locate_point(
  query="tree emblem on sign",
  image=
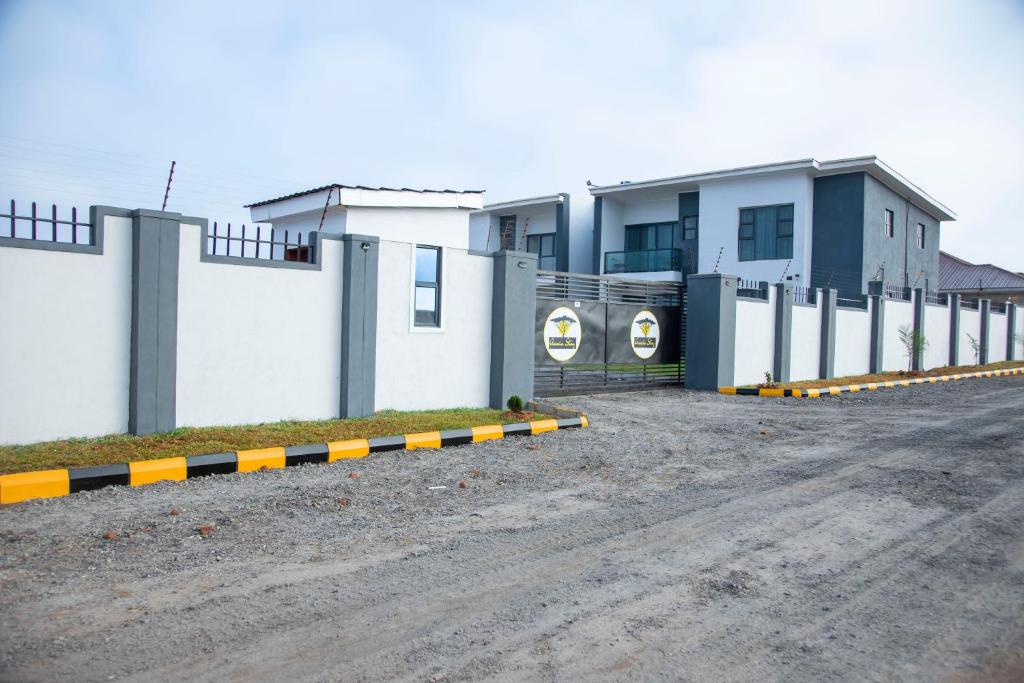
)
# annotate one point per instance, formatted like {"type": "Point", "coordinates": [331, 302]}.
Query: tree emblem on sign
{"type": "Point", "coordinates": [645, 326]}
{"type": "Point", "coordinates": [563, 324]}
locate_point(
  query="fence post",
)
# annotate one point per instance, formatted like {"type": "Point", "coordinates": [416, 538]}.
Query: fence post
{"type": "Point", "coordinates": [513, 326]}
{"type": "Point", "coordinates": [954, 329]}
{"type": "Point", "coordinates": [827, 354]}
{"type": "Point", "coordinates": [1011, 330]}
{"type": "Point", "coordinates": [710, 331]}
{"type": "Point", "coordinates": [783, 331]}
{"type": "Point", "coordinates": [877, 298]}
{"type": "Point", "coordinates": [153, 361]}
{"type": "Point", "coordinates": [985, 306]}
{"type": "Point", "coordinates": [359, 263]}
{"type": "Point", "coordinates": [919, 311]}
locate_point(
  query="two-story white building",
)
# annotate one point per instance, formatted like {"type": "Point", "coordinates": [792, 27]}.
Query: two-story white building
{"type": "Point", "coordinates": [833, 223]}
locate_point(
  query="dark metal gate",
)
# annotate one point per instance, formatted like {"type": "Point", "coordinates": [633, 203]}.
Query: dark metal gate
{"type": "Point", "coordinates": [600, 333]}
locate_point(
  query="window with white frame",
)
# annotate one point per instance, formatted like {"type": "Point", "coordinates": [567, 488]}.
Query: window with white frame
{"type": "Point", "coordinates": [920, 235]}
{"type": "Point", "coordinates": [427, 291]}
{"type": "Point", "coordinates": [889, 220]}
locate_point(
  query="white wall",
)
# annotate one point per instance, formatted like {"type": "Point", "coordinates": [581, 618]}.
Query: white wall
{"type": "Point", "coordinates": [755, 340]}
{"type": "Point", "coordinates": [436, 227]}
{"type": "Point", "coordinates": [894, 354]}
{"type": "Point", "coordinates": [936, 333]}
{"type": "Point", "coordinates": [613, 236]}
{"type": "Point", "coordinates": [65, 336]}
{"type": "Point", "coordinates": [657, 211]}
{"type": "Point", "coordinates": [447, 367]}
{"type": "Point", "coordinates": [720, 204]}
{"type": "Point", "coordinates": [805, 343]}
{"type": "Point", "coordinates": [257, 344]}
{"type": "Point", "coordinates": [853, 341]}
{"type": "Point", "coordinates": [1018, 349]}
{"type": "Point", "coordinates": [970, 324]}
{"type": "Point", "coordinates": [996, 337]}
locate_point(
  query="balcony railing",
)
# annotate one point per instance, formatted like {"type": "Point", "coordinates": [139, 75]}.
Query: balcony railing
{"type": "Point", "coordinates": [651, 261]}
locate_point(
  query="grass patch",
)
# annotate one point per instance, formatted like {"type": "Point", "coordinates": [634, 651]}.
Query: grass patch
{"type": "Point", "coordinates": [120, 448]}
{"type": "Point", "coordinates": [896, 375]}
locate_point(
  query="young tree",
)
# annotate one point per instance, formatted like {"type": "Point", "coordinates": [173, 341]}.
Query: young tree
{"type": "Point", "coordinates": [975, 347]}
{"type": "Point", "coordinates": [914, 344]}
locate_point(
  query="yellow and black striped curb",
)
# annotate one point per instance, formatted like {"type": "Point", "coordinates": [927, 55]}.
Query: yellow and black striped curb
{"type": "Point", "coordinates": [15, 488]}
{"type": "Point", "coordinates": [870, 386]}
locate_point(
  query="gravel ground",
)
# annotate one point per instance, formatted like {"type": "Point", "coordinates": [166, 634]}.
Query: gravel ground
{"type": "Point", "coordinates": [684, 536]}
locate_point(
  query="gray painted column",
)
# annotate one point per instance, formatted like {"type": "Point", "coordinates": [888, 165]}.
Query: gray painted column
{"type": "Point", "coordinates": [1011, 330]}
{"type": "Point", "coordinates": [598, 204]}
{"type": "Point", "coordinates": [710, 331]}
{"type": "Point", "coordinates": [827, 354]}
{"type": "Point", "coordinates": [153, 363]}
{"type": "Point", "coordinates": [985, 306]}
{"type": "Point", "coordinates": [877, 325]}
{"type": "Point", "coordinates": [562, 234]}
{"type": "Point", "coordinates": [359, 263]}
{"type": "Point", "coordinates": [783, 331]}
{"type": "Point", "coordinates": [954, 329]}
{"type": "Point", "coordinates": [513, 326]}
{"type": "Point", "coordinates": [919, 310]}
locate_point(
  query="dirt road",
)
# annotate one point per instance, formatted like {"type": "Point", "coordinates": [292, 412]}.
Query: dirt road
{"type": "Point", "coordinates": [685, 536]}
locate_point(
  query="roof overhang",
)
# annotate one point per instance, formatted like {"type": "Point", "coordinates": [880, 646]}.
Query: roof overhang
{"type": "Point", "coordinates": [657, 188]}
{"type": "Point", "coordinates": [344, 197]}
{"type": "Point", "coordinates": [528, 203]}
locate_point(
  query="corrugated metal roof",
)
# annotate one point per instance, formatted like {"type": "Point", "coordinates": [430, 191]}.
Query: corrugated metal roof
{"type": "Point", "coordinates": [956, 274]}
{"type": "Point", "coordinates": [338, 186]}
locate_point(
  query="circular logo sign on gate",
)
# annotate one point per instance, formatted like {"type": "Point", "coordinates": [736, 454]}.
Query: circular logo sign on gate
{"type": "Point", "coordinates": [562, 334]}
{"type": "Point", "coordinates": [644, 334]}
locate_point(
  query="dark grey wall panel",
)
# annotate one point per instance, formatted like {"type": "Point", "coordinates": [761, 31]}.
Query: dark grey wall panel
{"type": "Point", "coordinates": [360, 261]}
{"type": "Point", "coordinates": [710, 331]}
{"type": "Point", "coordinates": [513, 325]}
{"type": "Point", "coordinates": [837, 240]}
{"type": "Point", "coordinates": [154, 333]}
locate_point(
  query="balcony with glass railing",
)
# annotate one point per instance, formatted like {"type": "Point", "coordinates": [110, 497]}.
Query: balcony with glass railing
{"type": "Point", "coordinates": [646, 261]}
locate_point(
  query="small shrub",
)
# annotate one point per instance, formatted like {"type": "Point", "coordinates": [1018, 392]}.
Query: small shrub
{"type": "Point", "coordinates": [769, 382]}
{"type": "Point", "coordinates": [914, 344]}
{"type": "Point", "coordinates": [515, 404]}
{"type": "Point", "coordinates": [975, 347]}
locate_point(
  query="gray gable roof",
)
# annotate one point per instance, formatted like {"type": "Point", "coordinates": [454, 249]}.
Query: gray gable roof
{"type": "Point", "coordinates": [956, 275]}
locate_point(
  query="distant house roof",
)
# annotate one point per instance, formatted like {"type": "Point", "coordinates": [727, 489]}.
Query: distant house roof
{"type": "Point", "coordinates": [338, 186]}
{"type": "Point", "coordinates": [958, 275]}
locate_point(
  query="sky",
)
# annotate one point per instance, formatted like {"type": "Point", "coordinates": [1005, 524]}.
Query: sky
{"type": "Point", "coordinates": [256, 99]}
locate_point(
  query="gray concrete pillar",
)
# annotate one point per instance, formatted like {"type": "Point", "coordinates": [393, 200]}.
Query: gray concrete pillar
{"type": "Point", "coordinates": [877, 330]}
{"type": "Point", "coordinates": [827, 356]}
{"type": "Point", "coordinates": [710, 331]}
{"type": "Point", "coordinates": [562, 234]}
{"type": "Point", "coordinates": [153, 362]}
{"type": "Point", "coordinates": [360, 259]}
{"type": "Point", "coordinates": [919, 311]}
{"type": "Point", "coordinates": [985, 307]}
{"type": "Point", "coordinates": [954, 329]}
{"type": "Point", "coordinates": [513, 326]}
{"type": "Point", "coordinates": [783, 331]}
{"type": "Point", "coordinates": [1011, 330]}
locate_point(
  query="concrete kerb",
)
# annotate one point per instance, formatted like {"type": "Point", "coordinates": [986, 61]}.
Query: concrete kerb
{"type": "Point", "coordinates": [869, 386]}
{"type": "Point", "coordinates": [15, 488]}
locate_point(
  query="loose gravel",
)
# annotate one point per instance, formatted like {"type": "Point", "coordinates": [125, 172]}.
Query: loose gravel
{"type": "Point", "coordinates": [684, 536]}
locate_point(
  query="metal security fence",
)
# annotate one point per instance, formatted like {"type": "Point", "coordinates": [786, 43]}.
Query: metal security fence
{"type": "Point", "coordinates": [852, 301]}
{"type": "Point", "coordinates": [752, 289]}
{"type": "Point", "coordinates": [970, 304]}
{"type": "Point", "coordinates": [259, 243]}
{"type": "Point", "coordinates": [47, 228]}
{"type": "Point", "coordinates": [599, 333]}
{"type": "Point", "coordinates": [936, 298]}
{"type": "Point", "coordinates": [896, 292]}
{"type": "Point", "coordinates": [805, 295]}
